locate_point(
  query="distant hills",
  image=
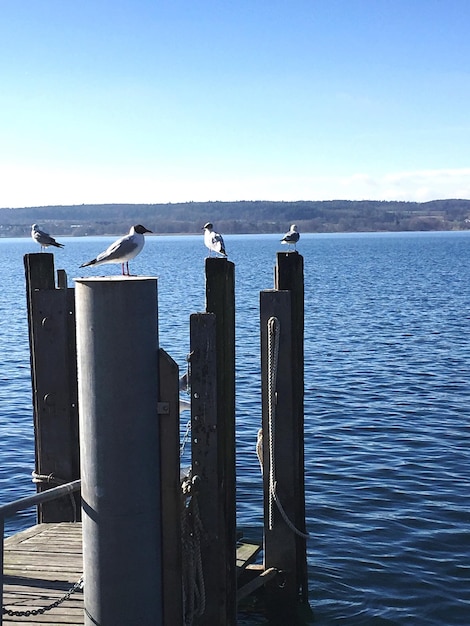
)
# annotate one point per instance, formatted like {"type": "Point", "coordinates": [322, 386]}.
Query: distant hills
{"type": "Point", "coordinates": [240, 217]}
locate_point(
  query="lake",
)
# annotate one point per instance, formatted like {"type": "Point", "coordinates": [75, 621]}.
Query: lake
{"type": "Point", "coordinates": [387, 405]}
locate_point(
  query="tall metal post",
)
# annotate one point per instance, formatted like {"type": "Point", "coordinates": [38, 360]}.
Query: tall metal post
{"type": "Point", "coordinates": [117, 350]}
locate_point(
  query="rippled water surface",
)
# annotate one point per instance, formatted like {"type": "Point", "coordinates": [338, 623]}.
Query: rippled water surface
{"type": "Point", "coordinates": [387, 402]}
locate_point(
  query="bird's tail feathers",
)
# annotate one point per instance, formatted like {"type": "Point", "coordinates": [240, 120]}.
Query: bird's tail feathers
{"type": "Point", "coordinates": [88, 263]}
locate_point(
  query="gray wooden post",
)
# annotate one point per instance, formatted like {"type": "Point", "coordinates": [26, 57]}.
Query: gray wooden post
{"type": "Point", "coordinates": [205, 463]}
{"type": "Point", "coordinates": [289, 275]}
{"type": "Point", "coordinates": [169, 418]}
{"type": "Point", "coordinates": [283, 441]}
{"type": "Point", "coordinates": [51, 321]}
{"type": "Point", "coordinates": [117, 349]}
{"type": "Point", "coordinates": [220, 300]}
{"type": "Point", "coordinates": [279, 540]}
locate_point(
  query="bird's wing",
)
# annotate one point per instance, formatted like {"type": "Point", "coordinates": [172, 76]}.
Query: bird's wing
{"type": "Point", "coordinates": [41, 237]}
{"type": "Point", "coordinates": [291, 237]}
{"type": "Point", "coordinates": [119, 248]}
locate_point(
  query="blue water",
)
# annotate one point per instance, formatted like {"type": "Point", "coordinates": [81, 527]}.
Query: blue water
{"type": "Point", "coordinates": [387, 404]}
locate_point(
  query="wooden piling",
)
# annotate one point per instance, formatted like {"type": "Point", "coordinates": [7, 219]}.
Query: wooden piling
{"type": "Point", "coordinates": [289, 275]}
{"type": "Point", "coordinates": [221, 607]}
{"type": "Point", "coordinates": [205, 465]}
{"type": "Point", "coordinates": [169, 417]}
{"type": "Point", "coordinates": [51, 321]}
{"type": "Point", "coordinates": [283, 439]}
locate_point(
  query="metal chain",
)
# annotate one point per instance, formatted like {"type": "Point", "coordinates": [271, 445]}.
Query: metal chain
{"type": "Point", "coordinates": [76, 587]}
{"type": "Point", "coordinates": [186, 437]}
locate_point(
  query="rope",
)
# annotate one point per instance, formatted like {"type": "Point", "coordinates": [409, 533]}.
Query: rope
{"type": "Point", "coordinates": [50, 479]}
{"type": "Point", "coordinates": [273, 360]}
{"type": "Point", "coordinates": [194, 593]}
{"type": "Point", "coordinates": [259, 449]}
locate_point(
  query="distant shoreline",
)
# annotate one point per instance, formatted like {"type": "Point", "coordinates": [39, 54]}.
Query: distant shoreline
{"type": "Point", "coordinates": [242, 217]}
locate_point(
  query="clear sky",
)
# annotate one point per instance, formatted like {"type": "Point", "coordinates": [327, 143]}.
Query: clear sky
{"type": "Point", "coordinates": [177, 100]}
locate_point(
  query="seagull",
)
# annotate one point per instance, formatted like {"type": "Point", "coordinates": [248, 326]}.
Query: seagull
{"type": "Point", "coordinates": [213, 240]}
{"type": "Point", "coordinates": [292, 237]}
{"type": "Point", "coordinates": [122, 250]}
{"type": "Point", "coordinates": [43, 239]}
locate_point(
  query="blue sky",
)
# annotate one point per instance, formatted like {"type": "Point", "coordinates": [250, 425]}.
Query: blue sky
{"type": "Point", "coordinates": [194, 100]}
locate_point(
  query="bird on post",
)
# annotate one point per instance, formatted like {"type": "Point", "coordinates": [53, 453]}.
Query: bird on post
{"type": "Point", "coordinates": [43, 239]}
{"type": "Point", "coordinates": [292, 237]}
{"type": "Point", "coordinates": [122, 250]}
{"type": "Point", "coordinates": [214, 241]}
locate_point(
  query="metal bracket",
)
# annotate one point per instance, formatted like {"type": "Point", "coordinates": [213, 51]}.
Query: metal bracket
{"type": "Point", "coordinates": [163, 408]}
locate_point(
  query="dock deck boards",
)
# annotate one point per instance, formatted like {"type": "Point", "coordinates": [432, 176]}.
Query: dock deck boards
{"type": "Point", "coordinates": [43, 562]}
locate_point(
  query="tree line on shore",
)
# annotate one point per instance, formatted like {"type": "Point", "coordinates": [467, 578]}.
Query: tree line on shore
{"type": "Point", "coordinates": [328, 216]}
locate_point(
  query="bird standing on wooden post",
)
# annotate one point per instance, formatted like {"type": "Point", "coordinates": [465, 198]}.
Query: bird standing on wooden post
{"type": "Point", "coordinates": [43, 238]}
{"type": "Point", "coordinates": [292, 237]}
{"type": "Point", "coordinates": [122, 250]}
{"type": "Point", "coordinates": [214, 241]}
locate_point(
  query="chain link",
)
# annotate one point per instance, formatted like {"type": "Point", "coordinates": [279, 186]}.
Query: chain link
{"type": "Point", "coordinates": [78, 586]}
{"type": "Point", "coordinates": [186, 437]}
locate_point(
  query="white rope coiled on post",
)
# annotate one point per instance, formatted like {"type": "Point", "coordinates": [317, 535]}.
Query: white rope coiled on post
{"type": "Point", "coordinates": [274, 327]}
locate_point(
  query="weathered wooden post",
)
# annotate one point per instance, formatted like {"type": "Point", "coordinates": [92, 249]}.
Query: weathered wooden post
{"type": "Point", "coordinates": [220, 300]}
{"type": "Point", "coordinates": [290, 275]}
{"type": "Point", "coordinates": [281, 313]}
{"type": "Point", "coordinates": [51, 321]}
{"type": "Point", "coordinates": [117, 349]}
{"type": "Point", "coordinates": [169, 420]}
{"type": "Point", "coordinates": [213, 433]}
{"type": "Point", "coordinates": [205, 467]}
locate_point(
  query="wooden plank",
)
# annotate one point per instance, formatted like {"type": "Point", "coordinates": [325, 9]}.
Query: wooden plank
{"type": "Point", "coordinates": [41, 564]}
{"type": "Point", "coordinates": [205, 460]}
{"type": "Point", "coordinates": [247, 552]}
{"type": "Point", "coordinates": [170, 490]}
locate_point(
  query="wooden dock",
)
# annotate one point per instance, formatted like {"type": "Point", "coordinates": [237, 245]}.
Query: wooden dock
{"type": "Point", "coordinates": [41, 564]}
{"type": "Point", "coordinates": [44, 562]}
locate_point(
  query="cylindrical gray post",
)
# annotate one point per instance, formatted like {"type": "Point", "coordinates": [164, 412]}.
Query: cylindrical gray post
{"type": "Point", "coordinates": [117, 351]}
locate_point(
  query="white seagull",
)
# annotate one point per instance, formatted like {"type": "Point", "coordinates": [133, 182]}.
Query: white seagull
{"type": "Point", "coordinates": [214, 241]}
{"type": "Point", "coordinates": [292, 237]}
{"type": "Point", "coordinates": [43, 239]}
{"type": "Point", "coordinates": [122, 250]}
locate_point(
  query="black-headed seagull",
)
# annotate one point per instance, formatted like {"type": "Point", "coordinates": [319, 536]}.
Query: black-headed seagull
{"type": "Point", "coordinates": [122, 250]}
